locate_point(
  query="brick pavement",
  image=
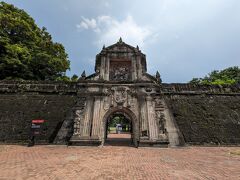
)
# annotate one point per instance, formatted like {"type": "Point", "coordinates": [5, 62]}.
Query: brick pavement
{"type": "Point", "coordinates": [61, 162]}
{"type": "Point", "coordinates": [120, 136]}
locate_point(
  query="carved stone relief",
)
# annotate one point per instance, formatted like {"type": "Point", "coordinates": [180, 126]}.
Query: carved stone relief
{"type": "Point", "coordinates": [148, 90]}
{"type": "Point", "coordinates": [158, 102]}
{"type": "Point", "coordinates": [77, 121]}
{"type": "Point", "coordinates": [79, 115]}
{"type": "Point", "coordinates": [120, 71]}
{"type": "Point", "coordinates": [161, 121]}
{"type": "Point", "coordinates": [130, 102]}
{"type": "Point", "coordinates": [107, 91]}
{"type": "Point", "coordinates": [106, 103]}
{"type": "Point", "coordinates": [120, 95]}
{"type": "Point", "coordinates": [160, 117]}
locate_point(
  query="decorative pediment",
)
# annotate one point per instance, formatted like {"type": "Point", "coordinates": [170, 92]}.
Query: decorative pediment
{"type": "Point", "coordinates": [121, 46]}
{"type": "Point", "coordinates": [121, 62]}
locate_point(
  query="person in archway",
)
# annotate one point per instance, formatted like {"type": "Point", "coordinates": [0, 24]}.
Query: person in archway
{"type": "Point", "coordinates": [118, 128]}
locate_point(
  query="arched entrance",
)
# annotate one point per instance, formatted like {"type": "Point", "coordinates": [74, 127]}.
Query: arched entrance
{"type": "Point", "coordinates": [119, 130]}
{"type": "Point", "coordinates": [130, 131]}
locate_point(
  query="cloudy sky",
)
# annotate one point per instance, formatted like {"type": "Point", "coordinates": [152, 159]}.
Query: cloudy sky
{"type": "Point", "coordinates": [181, 38]}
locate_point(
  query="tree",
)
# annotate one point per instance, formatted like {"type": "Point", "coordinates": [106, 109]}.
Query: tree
{"type": "Point", "coordinates": [26, 51]}
{"type": "Point", "coordinates": [74, 78]}
{"type": "Point", "coordinates": [229, 76]}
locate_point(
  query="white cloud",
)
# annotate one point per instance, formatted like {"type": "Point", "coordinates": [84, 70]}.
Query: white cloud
{"type": "Point", "coordinates": [87, 23]}
{"type": "Point", "coordinates": [106, 4]}
{"type": "Point", "coordinates": [109, 29]}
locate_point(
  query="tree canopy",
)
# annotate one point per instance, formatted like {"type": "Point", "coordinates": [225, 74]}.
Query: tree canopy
{"type": "Point", "coordinates": [228, 76]}
{"type": "Point", "coordinates": [26, 51]}
{"type": "Point", "coordinates": [118, 120]}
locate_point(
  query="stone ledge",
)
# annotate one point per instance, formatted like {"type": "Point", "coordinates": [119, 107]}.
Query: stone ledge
{"type": "Point", "coordinates": [149, 143]}
{"type": "Point", "coordinates": [84, 141]}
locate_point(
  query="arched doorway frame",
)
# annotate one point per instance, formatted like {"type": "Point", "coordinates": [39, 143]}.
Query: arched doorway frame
{"type": "Point", "coordinates": [133, 119]}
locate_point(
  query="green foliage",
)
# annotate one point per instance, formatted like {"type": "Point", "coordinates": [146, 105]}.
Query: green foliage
{"type": "Point", "coordinates": [118, 120]}
{"type": "Point", "coordinates": [74, 78]}
{"type": "Point", "coordinates": [64, 78]}
{"type": "Point", "coordinates": [114, 121]}
{"type": "Point", "coordinates": [26, 51]}
{"type": "Point", "coordinates": [227, 76]}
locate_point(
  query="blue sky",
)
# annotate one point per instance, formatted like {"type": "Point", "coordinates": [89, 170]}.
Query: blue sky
{"type": "Point", "coordinates": [181, 38]}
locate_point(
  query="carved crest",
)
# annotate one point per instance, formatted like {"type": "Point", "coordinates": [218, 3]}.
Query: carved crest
{"type": "Point", "coordinates": [120, 95]}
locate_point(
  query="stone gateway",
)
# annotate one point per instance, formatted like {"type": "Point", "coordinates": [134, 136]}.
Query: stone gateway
{"type": "Point", "coordinates": [121, 84]}
{"type": "Point", "coordinates": [161, 115]}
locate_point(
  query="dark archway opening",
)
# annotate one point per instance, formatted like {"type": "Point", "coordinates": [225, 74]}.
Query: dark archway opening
{"type": "Point", "coordinates": [119, 130]}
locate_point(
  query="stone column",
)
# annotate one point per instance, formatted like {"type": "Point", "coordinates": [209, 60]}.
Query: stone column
{"type": "Point", "coordinates": [102, 67]}
{"type": "Point", "coordinates": [134, 69]}
{"type": "Point", "coordinates": [143, 114]}
{"type": "Point", "coordinates": [152, 124]}
{"type": "Point", "coordinates": [107, 68]}
{"type": "Point", "coordinates": [86, 126]}
{"type": "Point", "coordinates": [105, 105]}
{"type": "Point", "coordinates": [96, 117]}
{"type": "Point", "coordinates": [139, 67]}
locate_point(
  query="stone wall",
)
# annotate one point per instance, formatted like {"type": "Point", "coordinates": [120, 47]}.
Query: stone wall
{"type": "Point", "coordinates": [17, 111]}
{"type": "Point", "coordinates": [22, 102]}
{"type": "Point", "coordinates": [177, 88]}
{"type": "Point", "coordinates": [206, 115]}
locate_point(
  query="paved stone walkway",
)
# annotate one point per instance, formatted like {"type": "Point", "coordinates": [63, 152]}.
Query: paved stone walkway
{"type": "Point", "coordinates": [61, 162]}
{"type": "Point", "coordinates": [120, 136]}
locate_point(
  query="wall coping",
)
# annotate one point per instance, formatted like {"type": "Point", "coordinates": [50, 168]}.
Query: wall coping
{"type": "Point", "coordinates": [74, 87]}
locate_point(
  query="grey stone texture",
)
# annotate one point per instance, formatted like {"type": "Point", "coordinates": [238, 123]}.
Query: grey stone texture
{"type": "Point", "coordinates": [207, 119]}
{"type": "Point", "coordinates": [161, 114]}
{"type": "Point", "coordinates": [17, 111]}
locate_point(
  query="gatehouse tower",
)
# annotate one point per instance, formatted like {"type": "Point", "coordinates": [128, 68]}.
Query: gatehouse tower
{"type": "Point", "coordinates": [121, 85]}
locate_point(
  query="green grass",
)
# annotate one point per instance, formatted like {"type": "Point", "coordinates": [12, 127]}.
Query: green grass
{"type": "Point", "coordinates": [112, 128]}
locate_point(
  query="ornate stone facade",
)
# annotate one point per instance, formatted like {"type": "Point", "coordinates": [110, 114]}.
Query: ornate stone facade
{"type": "Point", "coordinates": [78, 112]}
{"type": "Point", "coordinates": [121, 84]}
{"type": "Point", "coordinates": [120, 71]}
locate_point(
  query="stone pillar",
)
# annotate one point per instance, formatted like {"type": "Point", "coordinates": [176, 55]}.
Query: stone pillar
{"type": "Point", "coordinates": [134, 69]}
{"type": "Point", "coordinates": [96, 117]}
{"type": "Point", "coordinates": [107, 68]}
{"type": "Point", "coordinates": [102, 69]}
{"type": "Point", "coordinates": [152, 124]}
{"type": "Point", "coordinates": [143, 114]}
{"type": "Point", "coordinates": [139, 67]}
{"type": "Point", "coordinates": [86, 126]}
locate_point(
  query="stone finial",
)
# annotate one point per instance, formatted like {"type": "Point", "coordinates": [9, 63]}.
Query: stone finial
{"type": "Point", "coordinates": [158, 77]}
{"type": "Point", "coordinates": [83, 75]}
{"type": "Point", "coordinates": [120, 40]}
{"type": "Point", "coordinates": [137, 47]}
{"type": "Point", "coordinates": [103, 47]}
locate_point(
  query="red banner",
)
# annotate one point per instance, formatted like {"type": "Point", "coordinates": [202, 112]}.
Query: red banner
{"type": "Point", "coordinates": [38, 121]}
